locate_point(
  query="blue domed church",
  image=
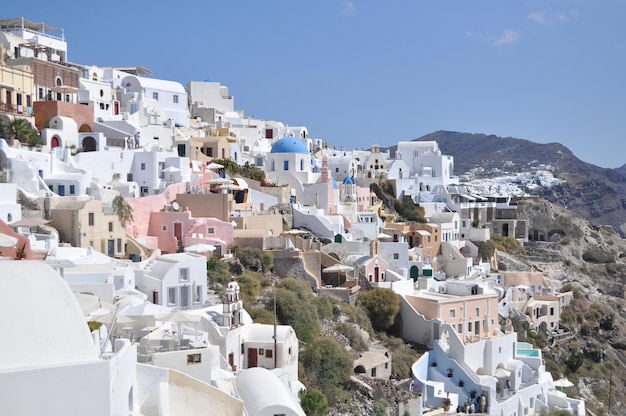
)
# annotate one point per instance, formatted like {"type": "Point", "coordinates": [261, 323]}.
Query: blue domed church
{"type": "Point", "coordinates": [289, 163]}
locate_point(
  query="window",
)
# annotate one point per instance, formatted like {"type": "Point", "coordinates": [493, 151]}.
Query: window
{"type": "Point", "coordinates": [110, 226]}
{"type": "Point", "coordinates": [396, 256]}
{"type": "Point", "coordinates": [336, 170]}
{"type": "Point", "coordinates": [209, 151]}
{"type": "Point", "coordinates": [269, 353]}
{"type": "Point", "coordinates": [194, 358]}
{"type": "Point", "coordinates": [184, 274]}
{"type": "Point", "coordinates": [164, 228]}
{"type": "Point", "coordinates": [175, 99]}
{"type": "Point", "coordinates": [551, 311]}
{"type": "Point", "coordinates": [452, 313]}
{"type": "Point", "coordinates": [92, 220]}
{"type": "Point", "coordinates": [171, 296]}
{"type": "Point", "coordinates": [40, 93]}
{"type": "Point", "coordinates": [210, 230]}
{"type": "Point", "coordinates": [301, 164]}
{"type": "Point", "coordinates": [469, 326]}
{"type": "Point", "coordinates": [143, 166]}
{"type": "Point", "coordinates": [72, 189]}
{"type": "Point", "coordinates": [119, 245]}
{"type": "Point", "coordinates": [478, 312]}
{"type": "Point", "coordinates": [155, 96]}
{"type": "Point", "coordinates": [261, 351]}
{"type": "Point", "coordinates": [286, 165]}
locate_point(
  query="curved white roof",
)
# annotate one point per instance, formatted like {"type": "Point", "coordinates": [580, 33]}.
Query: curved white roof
{"type": "Point", "coordinates": [41, 320]}
{"type": "Point", "coordinates": [155, 84]}
{"type": "Point", "coordinates": [263, 393]}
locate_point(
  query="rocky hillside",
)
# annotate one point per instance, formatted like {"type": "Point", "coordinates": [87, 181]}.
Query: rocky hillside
{"type": "Point", "coordinates": [590, 259]}
{"type": "Point", "coordinates": [595, 193]}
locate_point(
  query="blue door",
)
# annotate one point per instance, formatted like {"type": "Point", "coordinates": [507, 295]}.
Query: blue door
{"type": "Point", "coordinates": [111, 248]}
{"type": "Point", "coordinates": [61, 190]}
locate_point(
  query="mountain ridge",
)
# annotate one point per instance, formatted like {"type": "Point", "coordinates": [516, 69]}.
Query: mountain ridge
{"type": "Point", "coordinates": [595, 193]}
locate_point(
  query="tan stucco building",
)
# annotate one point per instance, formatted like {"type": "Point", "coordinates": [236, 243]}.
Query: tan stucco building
{"type": "Point", "coordinates": [82, 223]}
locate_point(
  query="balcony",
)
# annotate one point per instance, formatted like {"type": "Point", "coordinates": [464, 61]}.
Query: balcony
{"type": "Point", "coordinates": [16, 109]}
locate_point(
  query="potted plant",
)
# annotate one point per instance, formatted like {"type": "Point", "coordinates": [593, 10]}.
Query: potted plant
{"type": "Point", "coordinates": [450, 371]}
{"type": "Point", "coordinates": [446, 404]}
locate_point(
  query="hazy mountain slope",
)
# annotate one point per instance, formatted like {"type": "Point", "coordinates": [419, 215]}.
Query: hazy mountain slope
{"type": "Point", "coordinates": [595, 193]}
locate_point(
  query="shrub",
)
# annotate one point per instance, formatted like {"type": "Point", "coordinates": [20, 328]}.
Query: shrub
{"type": "Point", "coordinates": [382, 306]}
{"type": "Point", "coordinates": [402, 360]}
{"type": "Point", "coordinates": [327, 364]}
{"type": "Point", "coordinates": [313, 402]}
{"type": "Point", "coordinates": [249, 286]}
{"type": "Point", "coordinates": [217, 271]}
{"type": "Point", "coordinates": [261, 315]}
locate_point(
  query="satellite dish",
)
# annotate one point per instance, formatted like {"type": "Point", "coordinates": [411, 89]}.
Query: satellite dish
{"type": "Point", "coordinates": [176, 206]}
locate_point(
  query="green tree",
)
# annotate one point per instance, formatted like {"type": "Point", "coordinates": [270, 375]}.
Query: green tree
{"type": "Point", "coordinates": [327, 364]}
{"type": "Point", "coordinates": [217, 271]}
{"type": "Point", "coordinates": [313, 402]}
{"type": "Point", "coordinates": [487, 249]}
{"type": "Point", "coordinates": [382, 306]}
{"type": "Point", "coordinates": [298, 312]}
{"type": "Point", "coordinates": [230, 165]}
{"type": "Point", "coordinates": [122, 209]}
{"type": "Point", "coordinates": [18, 129]}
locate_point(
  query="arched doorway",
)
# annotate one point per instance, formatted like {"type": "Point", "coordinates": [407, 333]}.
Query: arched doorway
{"type": "Point", "coordinates": [414, 273]}
{"type": "Point", "coordinates": [55, 142]}
{"type": "Point", "coordinates": [89, 144]}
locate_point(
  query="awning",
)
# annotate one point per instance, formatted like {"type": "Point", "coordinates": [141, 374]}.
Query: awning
{"type": "Point", "coordinates": [337, 268]}
{"type": "Point", "coordinates": [64, 89]}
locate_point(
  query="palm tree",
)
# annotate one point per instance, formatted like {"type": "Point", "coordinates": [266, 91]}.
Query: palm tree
{"type": "Point", "coordinates": [18, 129]}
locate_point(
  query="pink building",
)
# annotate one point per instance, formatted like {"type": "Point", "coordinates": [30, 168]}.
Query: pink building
{"type": "Point", "coordinates": [176, 230]}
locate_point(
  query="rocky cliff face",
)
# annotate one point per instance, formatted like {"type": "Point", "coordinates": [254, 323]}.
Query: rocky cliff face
{"type": "Point", "coordinates": [592, 260]}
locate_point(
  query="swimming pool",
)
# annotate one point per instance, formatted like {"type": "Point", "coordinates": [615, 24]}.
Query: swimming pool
{"type": "Point", "coordinates": [528, 352]}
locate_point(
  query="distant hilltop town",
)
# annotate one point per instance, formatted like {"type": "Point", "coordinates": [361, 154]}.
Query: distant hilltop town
{"type": "Point", "coordinates": [118, 189]}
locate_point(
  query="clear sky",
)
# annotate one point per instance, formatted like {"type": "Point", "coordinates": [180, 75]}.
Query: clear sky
{"type": "Point", "coordinates": [362, 72]}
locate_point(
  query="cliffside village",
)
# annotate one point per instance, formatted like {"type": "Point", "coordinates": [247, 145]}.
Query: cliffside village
{"type": "Point", "coordinates": [68, 259]}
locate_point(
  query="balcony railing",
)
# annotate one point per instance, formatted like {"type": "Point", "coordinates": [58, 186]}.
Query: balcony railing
{"type": "Point", "coordinates": [16, 109]}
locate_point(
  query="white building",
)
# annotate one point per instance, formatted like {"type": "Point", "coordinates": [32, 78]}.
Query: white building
{"type": "Point", "coordinates": [170, 96]}
{"type": "Point", "coordinates": [175, 280]}
{"type": "Point", "coordinates": [50, 342]}
{"type": "Point", "coordinates": [10, 210]}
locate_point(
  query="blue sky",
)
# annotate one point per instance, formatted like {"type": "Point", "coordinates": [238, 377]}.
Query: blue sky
{"type": "Point", "coordinates": [363, 72]}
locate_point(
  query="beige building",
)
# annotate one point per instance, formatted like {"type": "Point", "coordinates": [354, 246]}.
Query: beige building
{"type": "Point", "coordinates": [16, 90]}
{"type": "Point", "coordinates": [82, 223]}
{"type": "Point", "coordinates": [474, 317]}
